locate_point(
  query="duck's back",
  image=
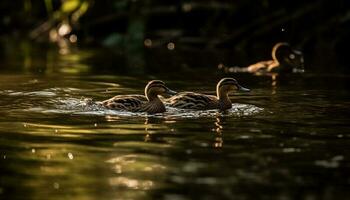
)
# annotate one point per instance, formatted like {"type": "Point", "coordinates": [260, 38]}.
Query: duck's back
{"type": "Point", "coordinates": [192, 100]}
{"type": "Point", "coordinates": [125, 102]}
{"type": "Point", "coordinates": [262, 66]}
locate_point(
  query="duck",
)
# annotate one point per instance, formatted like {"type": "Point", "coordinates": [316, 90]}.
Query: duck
{"type": "Point", "coordinates": [197, 101]}
{"type": "Point", "coordinates": [149, 103]}
{"type": "Point", "coordinates": [284, 59]}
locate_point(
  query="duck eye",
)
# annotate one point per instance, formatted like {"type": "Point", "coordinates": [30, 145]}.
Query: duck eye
{"type": "Point", "coordinates": [291, 56]}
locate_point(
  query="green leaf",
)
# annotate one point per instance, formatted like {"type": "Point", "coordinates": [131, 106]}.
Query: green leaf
{"type": "Point", "coordinates": [70, 5]}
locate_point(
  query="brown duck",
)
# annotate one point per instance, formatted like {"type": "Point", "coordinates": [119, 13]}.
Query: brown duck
{"type": "Point", "coordinates": [149, 102]}
{"type": "Point", "coordinates": [192, 100]}
{"type": "Point", "coordinates": [284, 59]}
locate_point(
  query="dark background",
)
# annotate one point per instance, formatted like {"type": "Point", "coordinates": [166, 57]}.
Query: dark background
{"type": "Point", "coordinates": [201, 34]}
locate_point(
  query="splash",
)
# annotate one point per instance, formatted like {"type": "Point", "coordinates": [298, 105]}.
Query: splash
{"type": "Point", "coordinates": [87, 106]}
{"type": "Point", "coordinates": [62, 101]}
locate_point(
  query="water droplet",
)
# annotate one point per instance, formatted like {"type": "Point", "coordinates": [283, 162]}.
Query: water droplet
{"type": "Point", "coordinates": [56, 185]}
{"type": "Point", "coordinates": [220, 66]}
{"type": "Point", "coordinates": [147, 42]}
{"type": "Point", "coordinates": [73, 38]}
{"type": "Point", "coordinates": [171, 46]}
{"type": "Point", "coordinates": [70, 156]}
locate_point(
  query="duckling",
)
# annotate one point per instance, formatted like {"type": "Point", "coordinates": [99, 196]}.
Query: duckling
{"type": "Point", "coordinates": [285, 59]}
{"type": "Point", "coordinates": [192, 100]}
{"type": "Point", "coordinates": [149, 103]}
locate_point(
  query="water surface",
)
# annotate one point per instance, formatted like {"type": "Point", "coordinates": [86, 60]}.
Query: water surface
{"type": "Point", "coordinates": [288, 141]}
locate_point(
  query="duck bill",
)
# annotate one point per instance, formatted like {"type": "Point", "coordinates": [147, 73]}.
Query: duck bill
{"type": "Point", "coordinates": [170, 92]}
{"type": "Point", "coordinates": [242, 89]}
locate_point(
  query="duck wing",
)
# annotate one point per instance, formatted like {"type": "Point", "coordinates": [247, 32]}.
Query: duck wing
{"type": "Point", "coordinates": [260, 67]}
{"type": "Point", "coordinates": [125, 102]}
{"type": "Point", "coordinates": [137, 96]}
{"type": "Point", "coordinates": [191, 100]}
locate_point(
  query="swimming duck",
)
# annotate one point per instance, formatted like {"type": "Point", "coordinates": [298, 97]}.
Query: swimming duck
{"type": "Point", "coordinates": [149, 103]}
{"type": "Point", "coordinates": [285, 59]}
{"type": "Point", "coordinates": [192, 100]}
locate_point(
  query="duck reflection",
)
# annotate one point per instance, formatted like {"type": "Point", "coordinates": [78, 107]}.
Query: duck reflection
{"type": "Point", "coordinates": [274, 82]}
{"type": "Point", "coordinates": [148, 132]}
{"type": "Point", "coordinates": [152, 125]}
{"type": "Point", "coordinates": [218, 141]}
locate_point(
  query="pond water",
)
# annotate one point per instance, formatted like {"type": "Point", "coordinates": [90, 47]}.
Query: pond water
{"type": "Point", "coordinates": [287, 141]}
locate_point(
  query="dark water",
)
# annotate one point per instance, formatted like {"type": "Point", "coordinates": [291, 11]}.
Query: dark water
{"type": "Point", "coordinates": [289, 141]}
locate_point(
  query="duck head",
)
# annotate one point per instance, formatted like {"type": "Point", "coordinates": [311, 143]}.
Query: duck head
{"type": "Point", "coordinates": [227, 85]}
{"type": "Point", "coordinates": [155, 88]}
{"type": "Point", "coordinates": [288, 58]}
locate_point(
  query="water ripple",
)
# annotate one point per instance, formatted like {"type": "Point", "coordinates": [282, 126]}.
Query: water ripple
{"type": "Point", "coordinates": [86, 106]}
{"type": "Point", "coordinates": [62, 101]}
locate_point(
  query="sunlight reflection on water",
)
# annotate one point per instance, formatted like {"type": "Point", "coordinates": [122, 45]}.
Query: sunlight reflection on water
{"type": "Point", "coordinates": [68, 145]}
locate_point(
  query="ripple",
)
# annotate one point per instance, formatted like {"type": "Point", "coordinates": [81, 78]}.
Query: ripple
{"type": "Point", "coordinates": [62, 101]}
{"type": "Point", "coordinates": [86, 106]}
{"type": "Point", "coordinates": [237, 109]}
{"type": "Point", "coordinates": [35, 93]}
{"type": "Point", "coordinates": [40, 93]}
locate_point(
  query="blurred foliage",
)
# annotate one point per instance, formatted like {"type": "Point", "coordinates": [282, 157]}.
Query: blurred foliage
{"type": "Point", "coordinates": [164, 33]}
